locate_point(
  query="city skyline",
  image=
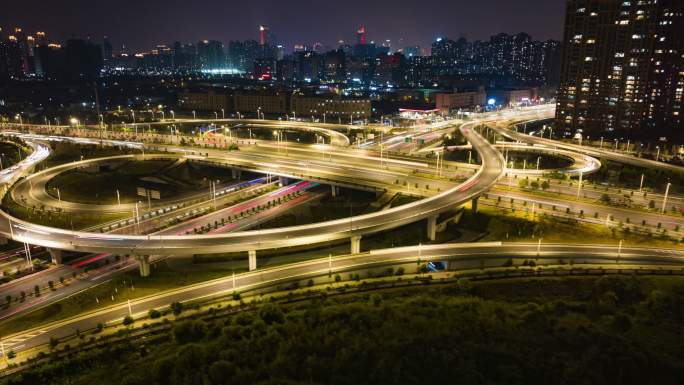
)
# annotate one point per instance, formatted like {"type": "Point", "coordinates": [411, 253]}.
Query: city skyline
{"type": "Point", "coordinates": [294, 24]}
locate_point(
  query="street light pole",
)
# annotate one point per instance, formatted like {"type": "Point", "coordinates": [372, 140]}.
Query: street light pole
{"type": "Point", "coordinates": [619, 250]}
{"type": "Point", "coordinates": [579, 186]}
{"type": "Point", "coordinates": [539, 246]}
{"type": "Point", "coordinates": [667, 191]}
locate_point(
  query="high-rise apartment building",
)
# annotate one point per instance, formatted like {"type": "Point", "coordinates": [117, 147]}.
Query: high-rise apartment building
{"type": "Point", "coordinates": [622, 68]}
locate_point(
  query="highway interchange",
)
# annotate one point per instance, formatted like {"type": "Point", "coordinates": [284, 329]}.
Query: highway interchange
{"type": "Point", "coordinates": [338, 164]}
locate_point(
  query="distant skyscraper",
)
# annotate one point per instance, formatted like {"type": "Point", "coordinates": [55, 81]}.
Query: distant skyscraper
{"type": "Point", "coordinates": [83, 59]}
{"type": "Point", "coordinates": [22, 42]}
{"type": "Point", "coordinates": [210, 54]}
{"type": "Point", "coordinates": [107, 51]}
{"type": "Point", "coordinates": [264, 35]}
{"type": "Point", "coordinates": [10, 57]}
{"type": "Point", "coordinates": [622, 68]}
{"type": "Point", "coordinates": [242, 54]}
{"type": "Point", "coordinates": [361, 36]}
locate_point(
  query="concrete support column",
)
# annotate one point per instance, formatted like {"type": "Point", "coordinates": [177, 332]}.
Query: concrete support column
{"type": "Point", "coordinates": [236, 173]}
{"type": "Point", "coordinates": [474, 205]}
{"type": "Point", "coordinates": [432, 227]}
{"type": "Point", "coordinates": [252, 260]}
{"type": "Point", "coordinates": [334, 191]}
{"type": "Point", "coordinates": [144, 264]}
{"type": "Point", "coordinates": [56, 256]}
{"type": "Point", "coordinates": [356, 244]}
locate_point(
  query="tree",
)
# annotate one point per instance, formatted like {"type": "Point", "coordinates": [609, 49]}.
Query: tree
{"type": "Point", "coordinates": [220, 371]}
{"type": "Point", "coordinates": [534, 185]}
{"type": "Point", "coordinates": [545, 185]}
{"type": "Point", "coordinates": [522, 183]}
{"type": "Point", "coordinates": [11, 354]}
{"type": "Point", "coordinates": [605, 198]}
{"type": "Point", "coordinates": [189, 331]}
{"type": "Point", "coordinates": [271, 313]}
{"type": "Point", "coordinates": [36, 289]}
{"type": "Point", "coordinates": [8, 298]}
{"type": "Point", "coordinates": [176, 308]}
{"type": "Point", "coordinates": [53, 343]}
{"type": "Point", "coordinates": [154, 313]}
{"type": "Point", "coordinates": [128, 320]}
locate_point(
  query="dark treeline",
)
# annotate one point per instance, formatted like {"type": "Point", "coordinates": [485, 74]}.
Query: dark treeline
{"type": "Point", "coordinates": [611, 330]}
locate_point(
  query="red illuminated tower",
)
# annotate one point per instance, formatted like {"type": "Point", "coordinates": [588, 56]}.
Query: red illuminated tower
{"type": "Point", "coordinates": [263, 30]}
{"type": "Point", "coordinates": [361, 36]}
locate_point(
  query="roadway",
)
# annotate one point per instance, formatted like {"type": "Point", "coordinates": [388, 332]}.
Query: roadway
{"type": "Point", "coordinates": [548, 113]}
{"type": "Point", "coordinates": [460, 256]}
{"type": "Point", "coordinates": [273, 238]}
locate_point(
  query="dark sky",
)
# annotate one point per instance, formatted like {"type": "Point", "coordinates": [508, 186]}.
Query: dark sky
{"type": "Point", "coordinates": [141, 24]}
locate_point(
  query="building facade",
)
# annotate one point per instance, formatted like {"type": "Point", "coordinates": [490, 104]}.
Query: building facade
{"type": "Point", "coordinates": [448, 102]}
{"type": "Point", "coordinates": [332, 107]}
{"type": "Point", "coordinates": [622, 69]}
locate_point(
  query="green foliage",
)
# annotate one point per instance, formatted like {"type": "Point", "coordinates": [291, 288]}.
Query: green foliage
{"type": "Point", "coordinates": [189, 331]}
{"type": "Point", "coordinates": [154, 314]}
{"type": "Point", "coordinates": [605, 198]}
{"type": "Point", "coordinates": [610, 330]}
{"type": "Point", "coordinates": [176, 308]}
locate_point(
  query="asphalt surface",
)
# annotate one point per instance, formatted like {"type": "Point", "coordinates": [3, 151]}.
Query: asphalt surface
{"type": "Point", "coordinates": [273, 238]}
{"type": "Point", "coordinates": [460, 256]}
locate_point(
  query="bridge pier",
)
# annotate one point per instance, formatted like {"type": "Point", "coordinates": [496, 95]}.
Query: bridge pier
{"type": "Point", "coordinates": [56, 256]}
{"type": "Point", "coordinates": [236, 173]}
{"type": "Point", "coordinates": [252, 260]}
{"type": "Point", "coordinates": [144, 264]}
{"type": "Point", "coordinates": [356, 244]}
{"type": "Point", "coordinates": [432, 227]}
{"type": "Point", "coordinates": [335, 190]}
{"type": "Point", "coordinates": [474, 205]}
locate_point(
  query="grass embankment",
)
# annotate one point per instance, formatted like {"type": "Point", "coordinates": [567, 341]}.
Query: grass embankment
{"type": "Point", "coordinates": [10, 152]}
{"type": "Point", "coordinates": [608, 330]}
{"type": "Point", "coordinates": [57, 219]}
{"type": "Point", "coordinates": [118, 290]}
{"type": "Point", "coordinates": [504, 225]}
{"type": "Point", "coordinates": [161, 175]}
